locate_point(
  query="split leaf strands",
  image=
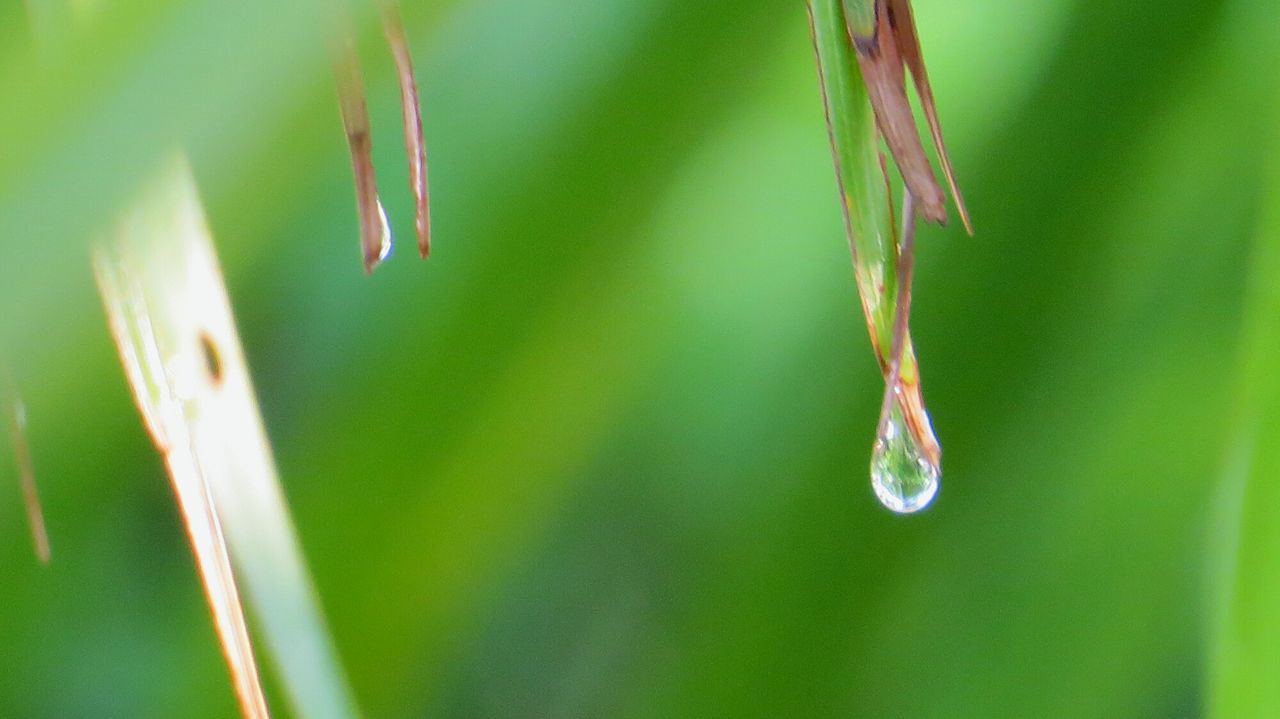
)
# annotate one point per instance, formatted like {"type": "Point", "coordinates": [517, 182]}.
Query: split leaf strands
{"type": "Point", "coordinates": [863, 48]}
{"type": "Point", "coordinates": [171, 320]}
{"type": "Point", "coordinates": [375, 231]}
{"type": "Point", "coordinates": [885, 40]}
{"type": "Point", "coordinates": [411, 110]}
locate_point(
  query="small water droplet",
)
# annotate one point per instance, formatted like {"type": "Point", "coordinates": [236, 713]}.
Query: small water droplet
{"type": "Point", "coordinates": [903, 478]}
{"type": "Point", "coordinates": [384, 249]}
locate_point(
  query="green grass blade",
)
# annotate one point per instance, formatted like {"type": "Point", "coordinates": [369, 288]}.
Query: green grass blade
{"type": "Point", "coordinates": [864, 194]}
{"type": "Point", "coordinates": [855, 149]}
{"type": "Point", "coordinates": [865, 201]}
{"type": "Point", "coordinates": [861, 15]}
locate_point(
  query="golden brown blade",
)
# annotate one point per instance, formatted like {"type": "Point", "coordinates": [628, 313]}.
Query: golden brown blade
{"type": "Point", "coordinates": [411, 109]}
{"type": "Point", "coordinates": [170, 314]}
{"type": "Point", "coordinates": [882, 71]}
{"type": "Point", "coordinates": [162, 242]}
{"type": "Point", "coordinates": [908, 42]}
{"type": "Point", "coordinates": [375, 234]}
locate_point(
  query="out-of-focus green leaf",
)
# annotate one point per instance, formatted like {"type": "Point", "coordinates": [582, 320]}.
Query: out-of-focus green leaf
{"type": "Point", "coordinates": [603, 454]}
{"type": "Point", "coordinates": [85, 122]}
{"type": "Point", "coordinates": [1246, 657]}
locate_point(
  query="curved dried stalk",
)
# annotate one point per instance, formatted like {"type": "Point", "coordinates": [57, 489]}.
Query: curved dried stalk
{"type": "Point", "coordinates": [375, 233]}
{"type": "Point", "coordinates": [171, 320]}
{"type": "Point", "coordinates": [411, 110]}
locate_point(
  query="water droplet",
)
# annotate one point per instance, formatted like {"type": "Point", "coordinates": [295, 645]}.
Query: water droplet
{"type": "Point", "coordinates": [903, 478]}
{"type": "Point", "coordinates": [384, 248]}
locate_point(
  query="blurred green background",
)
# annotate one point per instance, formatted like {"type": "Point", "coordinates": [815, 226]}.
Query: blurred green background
{"type": "Point", "coordinates": [606, 453]}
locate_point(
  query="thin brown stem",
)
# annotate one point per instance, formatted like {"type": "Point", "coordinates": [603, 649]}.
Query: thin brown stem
{"type": "Point", "coordinates": [411, 109]}
{"type": "Point", "coordinates": [374, 234]}
{"type": "Point", "coordinates": [17, 415]}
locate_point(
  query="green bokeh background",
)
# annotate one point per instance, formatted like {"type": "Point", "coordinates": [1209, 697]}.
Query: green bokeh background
{"type": "Point", "coordinates": [606, 453]}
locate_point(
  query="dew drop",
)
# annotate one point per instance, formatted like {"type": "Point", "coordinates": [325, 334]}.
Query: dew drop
{"type": "Point", "coordinates": [384, 248]}
{"type": "Point", "coordinates": [903, 478]}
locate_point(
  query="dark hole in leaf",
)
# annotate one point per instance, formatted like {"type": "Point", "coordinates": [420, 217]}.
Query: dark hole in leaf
{"type": "Point", "coordinates": [212, 360]}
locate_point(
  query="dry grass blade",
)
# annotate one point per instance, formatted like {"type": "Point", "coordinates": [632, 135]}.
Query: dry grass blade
{"type": "Point", "coordinates": [171, 319]}
{"type": "Point", "coordinates": [881, 62]}
{"type": "Point", "coordinates": [375, 233]}
{"type": "Point", "coordinates": [887, 44]}
{"type": "Point", "coordinates": [160, 385]}
{"type": "Point", "coordinates": [904, 24]}
{"type": "Point", "coordinates": [411, 109]}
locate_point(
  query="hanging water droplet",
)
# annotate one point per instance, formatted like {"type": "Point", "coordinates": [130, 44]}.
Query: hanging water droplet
{"type": "Point", "coordinates": [384, 248]}
{"type": "Point", "coordinates": [902, 476]}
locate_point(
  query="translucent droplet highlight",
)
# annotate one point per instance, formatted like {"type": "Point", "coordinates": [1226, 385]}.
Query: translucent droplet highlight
{"type": "Point", "coordinates": [384, 246]}
{"type": "Point", "coordinates": [902, 476]}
